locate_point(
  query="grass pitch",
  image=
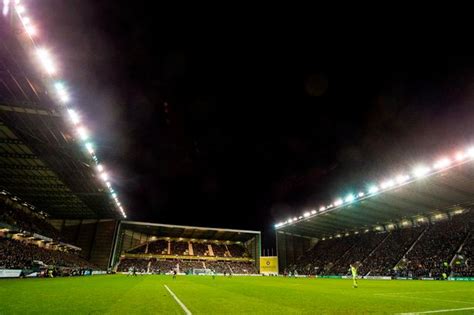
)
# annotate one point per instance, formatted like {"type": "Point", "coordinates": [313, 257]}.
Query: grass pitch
{"type": "Point", "coordinates": [120, 294]}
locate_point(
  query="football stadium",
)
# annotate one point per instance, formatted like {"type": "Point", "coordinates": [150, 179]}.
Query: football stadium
{"type": "Point", "coordinates": [402, 244]}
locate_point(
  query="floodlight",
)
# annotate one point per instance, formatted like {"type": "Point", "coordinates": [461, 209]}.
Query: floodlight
{"type": "Point", "coordinates": [400, 179]}
{"type": "Point", "coordinates": [104, 176]}
{"type": "Point", "coordinates": [322, 208]}
{"type": "Point", "coordinates": [361, 194]}
{"type": "Point", "coordinates": [349, 198]}
{"type": "Point", "coordinates": [90, 147]}
{"type": "Point", "coordinates": [74, 116]}
{"type": "Point", "coordinates": [46, 61]}
{"type": "Point", "coordinates": [420, 171]}
{"type": "Point", "coordinates": [442, 163]}
{"type": "Point", "coordinates": [338, 202]}
{"type": "Point", "coordinates": [306, 214]}
{"type": "Point", "coordinates": [83, 134]}
{"type": "Point", "coordinates": [373, 189]}
{"type": "Point", "coordinates": [100, 168]}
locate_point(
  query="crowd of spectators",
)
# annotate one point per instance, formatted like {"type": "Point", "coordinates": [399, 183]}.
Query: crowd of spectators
{"type": "Point", "coordinates": [220, 250]}
{"type": "Point", "coordinates": [162, 265]}
{"type": "Point", "coordinates": [464, 263]}
{"type": "Point", "coordinates": [218, 266]}
{"type": "Point", "coordinates": [237, 250]}
{"type": "Point", "coordinates": [243, 267]}
{"type": "Point", "coordinates": [434, 251]}
{"type": "Point", "coordinates": [186, 265]}
{"type": "Point", "coordinates": [27, 220]}
{"type": "Point", "coordinates": [434, 247]}
{"type": "Point", "coordinates": [390, 251]}
{"type": "Point", "coordinates": [158, 247]}
{"type": "Point", "coordinates": [364, 245]}
{"type": "Point", "coordinates": [140, 265]}
{"type": "Point", "coordinates": [179, 248]}
{"type": "Point", "coordinates": [200, 249]}
{"type": "Point", "coordinates": [16, 254]}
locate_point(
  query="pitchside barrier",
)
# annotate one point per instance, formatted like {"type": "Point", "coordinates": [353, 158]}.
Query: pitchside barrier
{"type": "Point", "coordinates": [17, 273]}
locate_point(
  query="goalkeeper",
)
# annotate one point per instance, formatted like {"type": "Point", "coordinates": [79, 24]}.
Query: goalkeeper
{"type": "Point", "coordinates": [353, 270]}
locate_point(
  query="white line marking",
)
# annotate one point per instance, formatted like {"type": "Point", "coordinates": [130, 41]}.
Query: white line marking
{"type": "Point", "coordinates": [440, 311]}
{"type": "Point", "coordinates": [185, 309]}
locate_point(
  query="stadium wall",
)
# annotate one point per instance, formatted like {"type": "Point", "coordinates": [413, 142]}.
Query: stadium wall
{"type": "Point", "coordinates": [94, 237]}
{"type": "Point", "coordinates": [290, 247]}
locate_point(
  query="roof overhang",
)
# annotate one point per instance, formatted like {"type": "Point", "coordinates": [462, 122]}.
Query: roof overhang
{"type": "Point", "coordinates": [189, 232]}
{"type": "Point", "coordinates": [447, 190]}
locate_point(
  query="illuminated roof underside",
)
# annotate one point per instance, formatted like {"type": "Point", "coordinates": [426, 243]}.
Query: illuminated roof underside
{"type": "Point", "coordinates": [40, 159]}
{"type": "Point", "coordinates": [442, 191]}
{"type": "Point", "coordinates": [189, 232]}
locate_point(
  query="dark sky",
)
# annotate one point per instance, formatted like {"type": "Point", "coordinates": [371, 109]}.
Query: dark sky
{"type": "Point", "coordinates": [237, 125]}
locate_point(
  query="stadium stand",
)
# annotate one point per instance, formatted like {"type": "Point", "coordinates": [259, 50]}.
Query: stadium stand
{"type": "Point", "coordinates": [162, 265]}
{"type": "Point", "coordinates": [421, 251]}
{"type": "Point", "coordinates": [16, 215]}
{"type": "Point", "coordinates": [16, 254]}
{"type": "Point", "coordinates": [179, 248]}
{"type": "Point", "coordinates": [220, 250]}
{"type": "Point", "coordinates": [200, 249]}
{"type": "Point", "coordinates": [158, 247]}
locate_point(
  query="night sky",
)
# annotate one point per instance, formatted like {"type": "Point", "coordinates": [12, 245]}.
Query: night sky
{"type": "Point", "coordinates": [236, 125]}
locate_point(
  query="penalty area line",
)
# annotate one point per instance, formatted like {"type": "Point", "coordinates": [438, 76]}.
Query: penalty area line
{"type": "Point", "coordinates": [185, 309]}
{"type": "Point", "coordinates": [439, 311]}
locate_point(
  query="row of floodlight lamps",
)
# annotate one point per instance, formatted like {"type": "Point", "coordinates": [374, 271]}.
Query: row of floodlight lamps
{"type": "Point", "coordinates": [419, 171]}
{"type": "Point", "coordinates": [48, 65]}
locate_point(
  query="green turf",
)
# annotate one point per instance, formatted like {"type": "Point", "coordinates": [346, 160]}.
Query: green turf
{"type": "Point", "coordinates": [120, 294]}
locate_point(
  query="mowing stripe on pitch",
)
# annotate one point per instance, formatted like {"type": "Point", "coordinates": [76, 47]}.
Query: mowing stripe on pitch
{"type": "Point", "coordinates": [440, 311]}
{"type": "Point", "coordinates": [185, 309]}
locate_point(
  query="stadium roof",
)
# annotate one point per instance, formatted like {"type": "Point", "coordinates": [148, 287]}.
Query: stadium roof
{"type": "Point", "coordinates": [41, 159]}
{"type": "Point", "coordinates": [177, 231]}
{"type": "Point", "coordinates": [447, 186]}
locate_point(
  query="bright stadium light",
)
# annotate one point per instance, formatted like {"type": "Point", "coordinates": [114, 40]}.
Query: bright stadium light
{"type": "Point", "coordinates": [400, 179]}
{"type": "Point", "coordinates": [338, 202]}
{"type": "Point", "coordinates": [83, 134]}
{"type": "Point", "coordinates": [100, 168]}
{"type": "Point", "coordinates": [20, 9]}
{"type": "Point", "coordinates": [442, 163]}
{"type": "Point", "coordinates": [349, 198]}
{"type": "Point", "coordinates": [26, 20]}
{"type": "Point", "coordinates": [470, 152]}
{"type": "Point", "coordinates": [104, 176]}
{"type": "Point", "coordinates": [373, 189]}
{"type": "Point", "coordinates": [90, 147]}
{"type": "Point", "coordinates": [361, 194]}
{"type": "Point", "coordinates": [306, 214]}
{"type": "Point", "coordinates": [313, 211]}
{"type": "Point", "coordinates": [74, 116]}
{"type": "Point", "coordinates": [6, 7]}
{"type": "Point", "coordinates": [290, 220]}
{"type": "Point", "coordinates": [30, 30]}
{"type": "Point", "coordinates": [114, 195]}
{"type": "Point", "coordinates": [62, 93]}
{"type": "Point", "coordinates": [295, 219]}
{"type": "Point", "coordinates": [460, 156]}
{"type": "Point", "coordinates": [322, 208]}
{"type": "Point", "coordinates": [329, 206]}
{"type": "Point", "coordinates": [46, 61]}
{"type": "Point", "coordinates": [420, 171]}
{"type": "Point", "coordinates": [387, 184]}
